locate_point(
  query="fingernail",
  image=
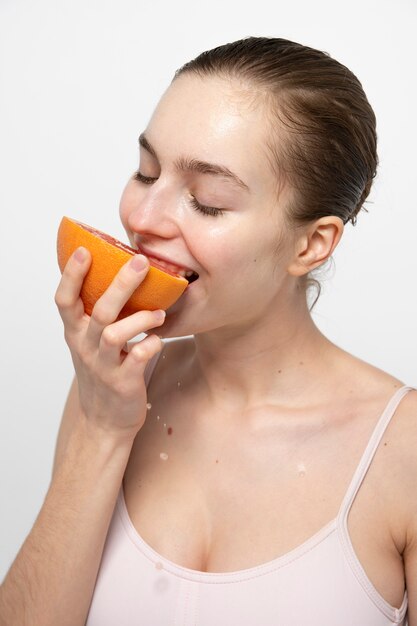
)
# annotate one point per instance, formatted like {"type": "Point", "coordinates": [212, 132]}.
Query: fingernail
{"type": "Point", "coordinates": [160, 314]}
{"type": "Point", "coordinates": [139, 262]}
{"type": "Point", "coordinates": [80, 255]}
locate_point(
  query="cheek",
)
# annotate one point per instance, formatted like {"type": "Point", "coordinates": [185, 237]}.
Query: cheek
{"type": "Point", "coordinates": [251, 255]}
{"type": "Point", "coordinates": [224, 250]}
{"type": "Point", "coordinates": [240, 249]}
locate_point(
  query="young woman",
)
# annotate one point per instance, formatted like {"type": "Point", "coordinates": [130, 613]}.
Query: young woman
{"type": "Point", "coordinates": [234, 467]}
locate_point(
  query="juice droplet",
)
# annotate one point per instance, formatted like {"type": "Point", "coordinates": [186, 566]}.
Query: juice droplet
{"type": "Point", "coordinates": [157, 417]}
{"type": "Point", "coordinates": [170, 431]}
{"type": "Point", "coordinates": [163, 456]}
{"type": "Point", "coordinates": [301, 469]}
{"type": "Point", "coordinates": [149, 405]}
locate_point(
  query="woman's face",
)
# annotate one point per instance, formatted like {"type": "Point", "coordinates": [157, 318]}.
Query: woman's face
{"type": "Point", "coordinates": [233, 249]}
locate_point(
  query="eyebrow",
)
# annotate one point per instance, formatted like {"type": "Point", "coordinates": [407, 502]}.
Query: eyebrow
{"type": "Point", "coordinates": [187, 164]}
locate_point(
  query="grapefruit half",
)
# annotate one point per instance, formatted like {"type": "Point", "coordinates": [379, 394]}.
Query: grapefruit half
{"type": "Point", "coordinates": [159, 290]}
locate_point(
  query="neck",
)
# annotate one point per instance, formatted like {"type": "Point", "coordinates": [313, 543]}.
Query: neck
{"type": "Point", "coordinates": [282, 361]}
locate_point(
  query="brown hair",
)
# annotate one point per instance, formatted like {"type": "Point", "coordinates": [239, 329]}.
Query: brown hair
{"type": "Point", "coordinates": [329, 157]}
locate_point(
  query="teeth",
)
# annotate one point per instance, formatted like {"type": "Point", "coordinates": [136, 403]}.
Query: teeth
{"type": "Point", "coordinates": [185, 273]}
{"type": "Point", "coordinates": [170, 266]}
{"type": "Point", "coordinates": [173, 268]}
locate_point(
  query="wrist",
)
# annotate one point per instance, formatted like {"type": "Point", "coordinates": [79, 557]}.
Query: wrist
{"type": "Point", "coordinates": [103, 436]}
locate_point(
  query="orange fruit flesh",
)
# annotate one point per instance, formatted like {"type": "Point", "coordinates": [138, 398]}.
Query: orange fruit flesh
{"type": "Point", "coordinates": [160, 288]}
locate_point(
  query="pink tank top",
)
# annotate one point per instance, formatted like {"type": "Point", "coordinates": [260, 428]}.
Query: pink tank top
{"type": "Point", "coordinates": [319, 583]}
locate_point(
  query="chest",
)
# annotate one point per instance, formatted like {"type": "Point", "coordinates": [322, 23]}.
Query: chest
{"type": "Point", "coordinates": [212, 495]}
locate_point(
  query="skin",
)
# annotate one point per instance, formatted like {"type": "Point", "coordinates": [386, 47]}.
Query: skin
{"type": "Point", "coordinates": [247, 312]}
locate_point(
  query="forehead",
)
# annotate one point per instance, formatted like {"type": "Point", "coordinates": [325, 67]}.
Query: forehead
{"type": "Point", "coordinates": [214, 120]}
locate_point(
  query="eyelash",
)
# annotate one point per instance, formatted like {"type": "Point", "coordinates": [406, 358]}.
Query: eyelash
{"type": "Point", "coordinates": [206, 210]}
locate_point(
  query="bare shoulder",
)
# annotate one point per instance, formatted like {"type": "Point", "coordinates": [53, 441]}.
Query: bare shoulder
{"type": "Point", "coordinates": [400, 441]}
{"type": "Point", "coordinates": [404, 436]}
{"type": "Point", "coordinates": [405, 431]}
{"type": "Point", "coordinates": [397, 476]}
{"type": "Point", "coordinates": [399, 466]}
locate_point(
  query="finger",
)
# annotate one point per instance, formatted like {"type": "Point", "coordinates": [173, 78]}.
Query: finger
{"type": "Point", "coordinates": [139, 355]}
{"type": "Point", "coordinates": [109, 305]}
{"type": "Point", "coordinates": [67, 295]}
{"type": "Point", "coordinates": [115, 336]}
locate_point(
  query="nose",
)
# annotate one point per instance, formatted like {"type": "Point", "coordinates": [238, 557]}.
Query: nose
{"type": "Point", "coordinates": [155, 214]}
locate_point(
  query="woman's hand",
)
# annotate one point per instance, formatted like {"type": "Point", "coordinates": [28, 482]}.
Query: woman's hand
{"type": "Point", "coordinates": [110, 379]}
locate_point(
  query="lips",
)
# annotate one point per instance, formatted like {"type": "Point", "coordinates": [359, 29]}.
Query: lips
{"type": "Point", "coordinates": [164, 263]}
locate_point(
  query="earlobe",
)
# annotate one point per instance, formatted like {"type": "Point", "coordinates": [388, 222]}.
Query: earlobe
{"type": "Point", "coordinates": [315, 247]}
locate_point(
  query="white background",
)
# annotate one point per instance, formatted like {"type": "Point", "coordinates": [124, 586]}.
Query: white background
{"type": "Point", "coordinates": [79, 81]}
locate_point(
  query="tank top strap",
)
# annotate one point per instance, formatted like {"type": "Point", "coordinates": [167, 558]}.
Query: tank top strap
{"type": "Point", "coordinates": [370, 450]}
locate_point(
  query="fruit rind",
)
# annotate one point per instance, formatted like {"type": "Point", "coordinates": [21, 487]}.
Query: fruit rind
{"type": "Point", "coordinates": [156, 291]}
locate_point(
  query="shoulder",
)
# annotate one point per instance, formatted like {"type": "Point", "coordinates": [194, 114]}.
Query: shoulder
{"type": "Point", "coordinates": [400, 469]}
{"type": "Point", "coordinates": [407, 446]}
{"type": "Point", "coordinates": [404, 431]}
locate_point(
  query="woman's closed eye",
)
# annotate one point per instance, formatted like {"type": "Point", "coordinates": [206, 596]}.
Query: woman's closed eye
{"type": "Point", "coordinates": [206, 210]}
{"type": "Point", "coordinates": [147, 180]}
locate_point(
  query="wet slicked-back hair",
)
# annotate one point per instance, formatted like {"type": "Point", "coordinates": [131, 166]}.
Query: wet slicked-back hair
{"type": "Point", "coordinates": [323, 139]}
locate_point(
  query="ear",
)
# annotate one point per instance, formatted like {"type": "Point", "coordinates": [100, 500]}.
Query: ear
{"type": "Point", "coordinates": [316, 245]}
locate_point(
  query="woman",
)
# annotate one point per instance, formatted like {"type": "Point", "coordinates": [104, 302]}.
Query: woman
{"type": "Point", "coordinates": [263, 475]}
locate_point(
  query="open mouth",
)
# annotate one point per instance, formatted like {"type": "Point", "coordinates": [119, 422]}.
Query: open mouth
{"type": "Point", "coordinates": [189, 275]}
